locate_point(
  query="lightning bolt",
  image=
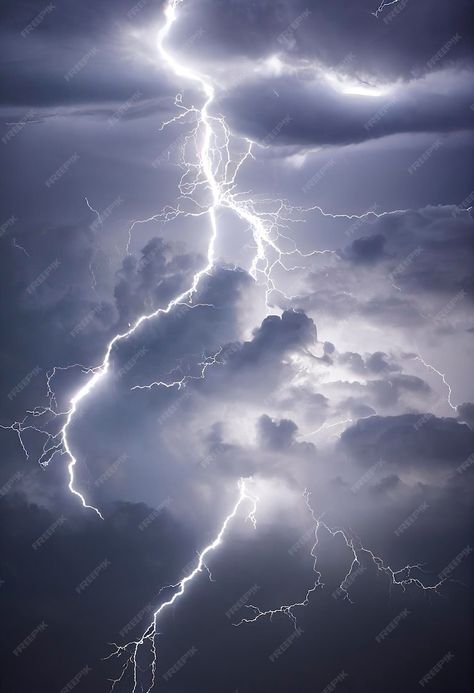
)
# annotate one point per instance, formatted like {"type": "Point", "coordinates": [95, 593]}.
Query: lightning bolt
{"type": "Point", "coordinates": [401, 577]}
{"type": "Point", "coordinates": [132, 649]}
{"type": "Point", "coordinates": [207, 186]}
{"type": "Point", "coordinates": [443, 378]}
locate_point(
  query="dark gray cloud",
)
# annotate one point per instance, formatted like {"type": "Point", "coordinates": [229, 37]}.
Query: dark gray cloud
{"type": "Point", "coordinates": [275, 337]}
{"type": "Point", "coordinates": [365, 250]}
{"type": "Point", "coordinates": [409, 440]}
{"type": "Point", "coordinates": [276, 435]}
{"type": "Point", "coordinates": [343, 34]}
{"type": "Point", "coordinates": [466, 413]}
{"type": "Point", "coordinates": [318, 114]}
{"type": "Point", "coordinates": [376, 363]}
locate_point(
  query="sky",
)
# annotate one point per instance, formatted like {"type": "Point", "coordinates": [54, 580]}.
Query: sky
{"type": "Point", "coordinates": [237, 398]}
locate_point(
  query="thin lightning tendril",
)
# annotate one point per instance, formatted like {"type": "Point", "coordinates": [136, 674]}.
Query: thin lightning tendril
{"type": "Point", "coordinates": [401, 578]}
{"type": "Point", "coordinates": [443, 378]}
{"type": "Point", "coordinates": [383, 5]}
{"type": "Point", "coordinates": [16, 245]}
{"type": "Point", "coordinates": [99, 218]}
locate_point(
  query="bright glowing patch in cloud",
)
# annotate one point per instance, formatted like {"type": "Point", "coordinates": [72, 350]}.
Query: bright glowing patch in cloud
{"type": "Point", "coordinates": [345, 85]}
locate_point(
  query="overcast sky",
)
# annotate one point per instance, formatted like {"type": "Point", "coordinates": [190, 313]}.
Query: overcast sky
{"type": "Point", "coordinates": [347, 374]}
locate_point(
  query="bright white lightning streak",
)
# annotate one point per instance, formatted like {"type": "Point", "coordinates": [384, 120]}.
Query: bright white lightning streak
{"type": "Point", "coordinates": [59, 443]}
{"type": "Point", "coordinates": [133, 648]}
{"type": "Point", "coordinates": [401, 577]}
{"type": "Point", "coordinates": [326, 426]}
{"type": "Point", "coordinates": [99, 218]}
{"type": "Point", "coordinates": [443, 378]}
{"type": "Point", "coordinates": [262, 224]}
